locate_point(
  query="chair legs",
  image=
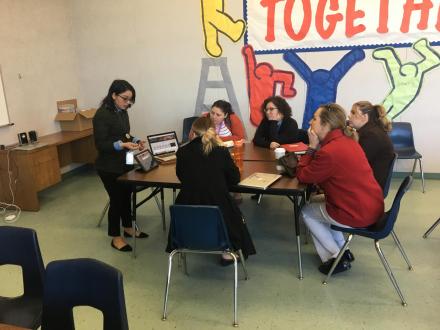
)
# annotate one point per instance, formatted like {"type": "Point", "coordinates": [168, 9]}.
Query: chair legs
{"type": "Point", "coordinates": [429, 231]}
{"type": "Point", "coordinates": [402, 251]}
{"type": "Point", "coordinates": [389, 272]}
{"type": "Point", "coordinates": [350, 236]}
{"type": "Point", "coordinates": [104, 211]}
{"type": "Point", "coordinates": [259, 199]}
{"type": "Point", "coordinates": [421, 172]}
{"type": "Point", "coordinates": [182, 253]}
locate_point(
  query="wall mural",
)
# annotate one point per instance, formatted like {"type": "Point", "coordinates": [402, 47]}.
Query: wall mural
{"type": "Point", "coordinates": [288, 27]}
{"type": "Point", "coordinates": [215, 20]}
{"type": "Point", "coordinates": [405, 79]}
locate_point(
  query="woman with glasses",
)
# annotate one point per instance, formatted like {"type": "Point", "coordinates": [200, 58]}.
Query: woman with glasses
{"type": "Point", "coordinates": [227, 124]}
{"type": "Point", "coordinates": [353, 198]}
{"type": "Point", "coordinates": [277, 126]}
{"type": "Point", "coordinates": [206, 171]}
{"type": "Point", "coordinates": [114, 142]}
{"type": "Point", "coordinates": [372, 127]}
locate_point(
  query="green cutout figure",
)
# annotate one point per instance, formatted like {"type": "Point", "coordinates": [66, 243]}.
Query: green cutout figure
{"type": "Point", "coordinates": [406, 79]}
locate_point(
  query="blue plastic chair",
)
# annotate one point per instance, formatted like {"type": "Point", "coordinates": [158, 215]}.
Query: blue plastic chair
{"type": "Point", "coordinates": [403, 142]}
{"type": "Point", "coordinates": [187, 124]}
{"type": "Point", "coordinates": [385, 194]}
{"type": "Point", "coordinates": [83, 282]}
{"type": "Point", "coordinates": [19, 246]}
{"type": "Point", "coordinates": [377, 232]}
{"type": "Point", "coordinates": [200, 229]}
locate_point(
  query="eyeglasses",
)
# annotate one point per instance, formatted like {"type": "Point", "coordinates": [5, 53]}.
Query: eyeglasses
{"type": "Point", "coordinates": [270, 109]}
{"type": "Point", "coordinates": [126, 99]}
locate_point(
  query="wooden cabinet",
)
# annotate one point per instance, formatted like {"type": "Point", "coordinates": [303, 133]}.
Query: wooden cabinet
{"type": "Point", "coordinates": [38, 168]}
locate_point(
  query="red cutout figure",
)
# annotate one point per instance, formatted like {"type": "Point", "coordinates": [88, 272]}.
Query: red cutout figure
{"type": "Point", "coordinates": [262, 81]}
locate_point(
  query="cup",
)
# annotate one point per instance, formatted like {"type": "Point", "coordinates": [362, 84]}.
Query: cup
{"type": "Point", "coordinates": [279, 152]}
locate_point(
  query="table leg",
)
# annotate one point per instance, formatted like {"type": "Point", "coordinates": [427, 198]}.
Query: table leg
{"type": "Point", "coordinates": [133, 218]}
{"type": "Point", "coordinates": [162, 199]}
{"type": "Point", "coordinates": [297, 232]}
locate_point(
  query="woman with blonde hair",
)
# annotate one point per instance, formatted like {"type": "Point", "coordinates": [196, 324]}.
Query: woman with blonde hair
{"type": "Point", "coordinates": [206, 171]}
{"type": "Point", "coordinates": [372, 126]}
{"type": "Point", "coordinates": [353, 198]}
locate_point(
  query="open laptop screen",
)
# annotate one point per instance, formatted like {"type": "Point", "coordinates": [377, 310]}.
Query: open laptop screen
{"type": "Point", "coordinates": [163, 143]}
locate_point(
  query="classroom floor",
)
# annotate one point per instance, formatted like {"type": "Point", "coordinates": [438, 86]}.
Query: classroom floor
{"type": "Point", "coordinates": [273, 297]}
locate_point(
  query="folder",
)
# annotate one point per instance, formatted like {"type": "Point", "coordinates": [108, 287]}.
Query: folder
{"type": "Point", "coordinates": [299, 148]}
{"type": "Point", "coordinates": [259, 180]}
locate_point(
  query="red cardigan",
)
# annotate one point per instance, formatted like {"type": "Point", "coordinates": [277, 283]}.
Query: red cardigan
{"type": "Point", "coordinates": [353, 196]}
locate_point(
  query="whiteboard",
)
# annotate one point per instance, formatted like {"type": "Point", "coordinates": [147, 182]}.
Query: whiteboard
{"type": "Point", "coordinates": [4, 115]}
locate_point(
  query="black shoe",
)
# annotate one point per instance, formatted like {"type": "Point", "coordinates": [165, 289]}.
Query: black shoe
{"type": "Point", "coordinates": [342, 266]}
{"type": "Point", "coordinates": [255, 197]}
{"type": "Point", "coordinates": [348, 256]}
{"type": "Point", "coordinates": [140, 235]}
{"type": "Point", "coordinates": [125, 248]}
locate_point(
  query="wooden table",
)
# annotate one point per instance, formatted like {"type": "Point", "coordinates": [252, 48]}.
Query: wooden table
{"type": "Point", "coordinates": [164, 176]}
{"type": "Point", "coordinates": [11, 327]}
{"type": "Point", "coordinates": [37, 167]}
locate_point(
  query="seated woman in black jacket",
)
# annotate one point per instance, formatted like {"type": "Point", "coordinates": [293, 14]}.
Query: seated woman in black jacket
{"type": "Point", "coordinates": [277, 127]}
{"type": "Point", "coordinates": [372, 126]}
{"type": "Point", "coordinates": [206, 171]}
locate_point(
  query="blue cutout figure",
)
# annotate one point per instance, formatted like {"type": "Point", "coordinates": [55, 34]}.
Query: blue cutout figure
{"type": "Point", "coordinates": [322, 84]}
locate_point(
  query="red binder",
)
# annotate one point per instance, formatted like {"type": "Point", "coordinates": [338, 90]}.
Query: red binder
{"type": "Point", "coordinates": [299, 148]}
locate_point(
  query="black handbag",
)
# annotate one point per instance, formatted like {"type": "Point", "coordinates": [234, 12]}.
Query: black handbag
{"type": "Point", "coordinates": [289, 162]}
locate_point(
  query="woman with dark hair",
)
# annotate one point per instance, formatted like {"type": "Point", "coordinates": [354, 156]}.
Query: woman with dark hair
{"type": "Point", "coordinates": [227, 124]}
{"type": "Point", "coordinates": [206, 171]}
{"type": "Point", "coordinates": [277, 126]}
{"type": "Point", "coordinates": [114, 142]}
{"type": "Point", "coordinates": [353, 198]}
{"type": "Point", "coordinates": [372, 127]}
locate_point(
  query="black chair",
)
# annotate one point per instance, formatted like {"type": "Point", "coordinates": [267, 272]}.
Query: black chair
{"type": "Point", "coordinates": [200, 229]}
{"type": "Point", "coordinates": [385, 194]}
{"type": "Point", "coordinates": [83, 282]}
{"type": "Point", "coordinates": [187, 123]}
{"type": "Point", "coordinates": [429, 231]}
{"type": "Point", "coordinates": [377, 232]}
{"type": "Point", "coordinates": [403, 141]}
{"type": "Point", "coordinates": [19, 246]}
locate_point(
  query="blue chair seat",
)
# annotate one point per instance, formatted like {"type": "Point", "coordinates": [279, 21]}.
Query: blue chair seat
{"type": "Point", "coordinates": [407, 153]}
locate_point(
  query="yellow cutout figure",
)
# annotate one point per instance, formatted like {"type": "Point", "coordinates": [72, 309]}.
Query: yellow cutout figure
{"type": "Point", "coordinates": [215, 20]}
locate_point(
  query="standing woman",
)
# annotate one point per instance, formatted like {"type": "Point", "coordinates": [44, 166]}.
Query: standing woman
{"type": "Point", "coordinates": [113, 140]}
{"type": "Point", "coordinates": [353, 197]}
{"type": "Point", "coordinates": [277, 126]}
{"type": "Point", "coordinates": [372, 126]}
{"type": "Point", "coordinates": [227, 124]}
{"type": "Point", "coordinates": [206, 171]}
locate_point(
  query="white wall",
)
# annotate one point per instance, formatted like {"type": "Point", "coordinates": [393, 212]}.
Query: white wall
{"type": "Point", "coordinates": [38, 63]}
{"type": "Point", "coordinates": [158, 46]}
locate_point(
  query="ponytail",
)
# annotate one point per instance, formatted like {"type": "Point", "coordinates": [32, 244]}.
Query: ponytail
{"type": "Point", "coordinates": [376, 114]}
{"type": "Point", "coordinates": [203, 128]}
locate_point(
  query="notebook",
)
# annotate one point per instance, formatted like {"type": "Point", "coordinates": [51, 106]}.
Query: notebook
{"type": "Point", "coordinates": [299, 148]}
{"type": "Point", "coordinates": [146, 160]}
{"type": "Point", "coordinates": [259, 180]}
{"type": "Point", "coordinates": [163, 146]}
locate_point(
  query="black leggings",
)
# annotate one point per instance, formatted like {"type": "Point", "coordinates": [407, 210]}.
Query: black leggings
{"type": "Point", "coordinates": [120, 202]}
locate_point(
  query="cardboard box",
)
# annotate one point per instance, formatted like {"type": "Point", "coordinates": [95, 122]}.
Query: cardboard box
{"type": "Point", "coordinates": [74, 121]}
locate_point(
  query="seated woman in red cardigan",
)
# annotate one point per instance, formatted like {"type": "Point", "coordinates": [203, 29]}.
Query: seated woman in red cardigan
{"type": "Point", "coordinates": [227, 124]}
{"type": "Point", "coordinates": [353, 198]}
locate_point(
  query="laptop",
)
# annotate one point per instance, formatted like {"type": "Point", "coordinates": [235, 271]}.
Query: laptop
{"type": "Point", "coordinates": [146, 160]}
{"type": "Point", "coordinates": [259, 180]}
{"type": "Point", "coordinates": [163, 146]}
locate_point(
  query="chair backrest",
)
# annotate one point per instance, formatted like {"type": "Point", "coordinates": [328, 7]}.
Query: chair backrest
{"type": "Point", "coordinates": [198, 227]}
{"type": "Point", "coordinates": [402, 136]}
{"type": "Point", "coordinates": [386, 188]}
{"type": "Point", "coordinates": [19, 246]}
{"type": "Point", "coordinates": [187, 123]}
{"type": "Point", "coordinates": [302, 136]}
{"type": "Point", "coordinates": [83, 282]}
{"type": "Point", "coordinates": [386, 224]}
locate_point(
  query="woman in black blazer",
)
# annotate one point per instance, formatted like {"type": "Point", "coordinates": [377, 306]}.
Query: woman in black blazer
{"type": "Point", "coordinates": [111, 129]}
{"type": "Point", "coordinates": [206, 171]}
{"type": "Point", "coordinates": [277, 127]}
{"type": "Point", "coordinates": [372, 126]}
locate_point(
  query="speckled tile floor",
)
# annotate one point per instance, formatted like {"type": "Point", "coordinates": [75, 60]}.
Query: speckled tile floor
{"type": "Point", "coordinates": [273, 297]}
